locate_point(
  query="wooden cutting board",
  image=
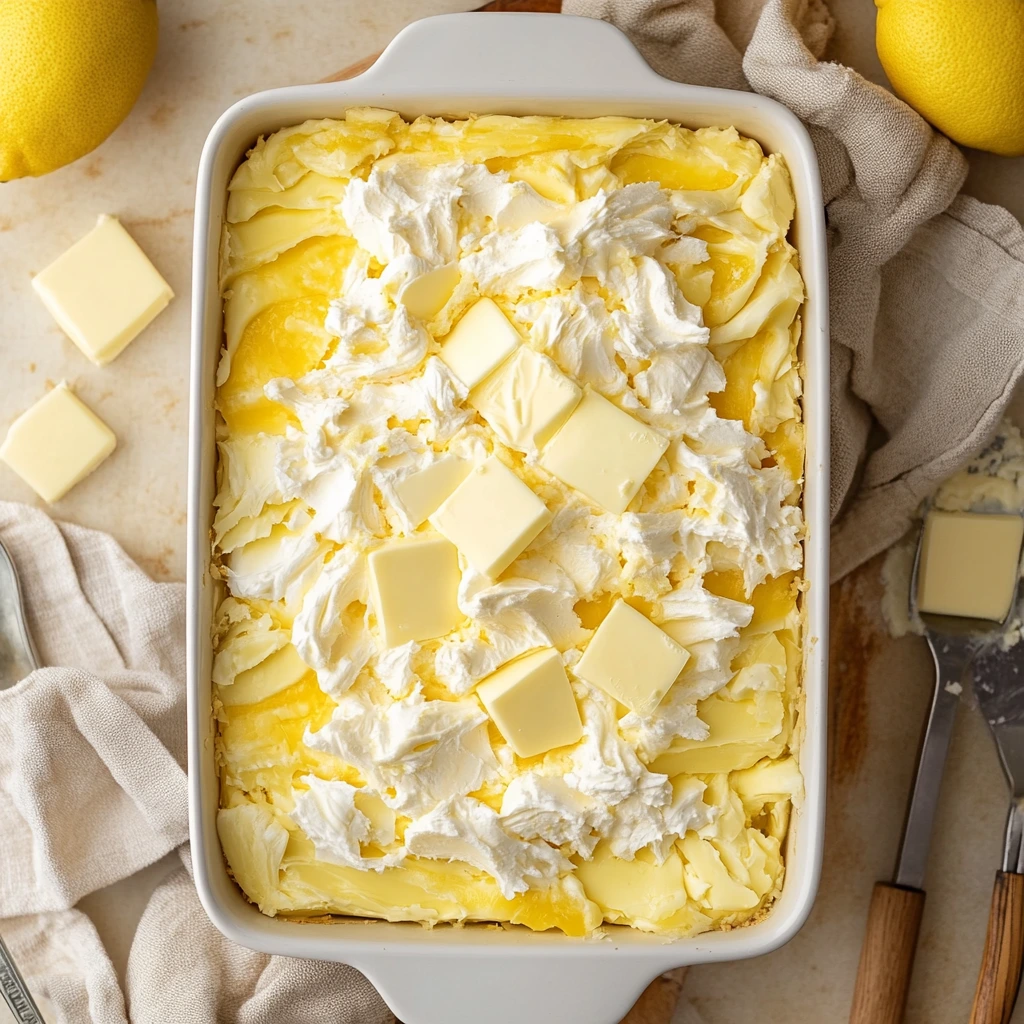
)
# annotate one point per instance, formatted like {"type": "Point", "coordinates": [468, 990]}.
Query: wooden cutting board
{"type": "Point", "coordinates": [658, 1001]}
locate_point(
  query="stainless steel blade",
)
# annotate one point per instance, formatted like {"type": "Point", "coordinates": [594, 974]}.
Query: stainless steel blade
{"type": "Point", "coordinates": [17, 653]}
{"type": "Point", "coordinates": [955, 643]}
{"type": "Point", "coordinates": [16, 992]}
{"type": "Point", "coordinates": [17, 660]}
{"type": "Point", "coordinates": [951, 655]}
{"type": "Point", "coordinates": [998, 677]}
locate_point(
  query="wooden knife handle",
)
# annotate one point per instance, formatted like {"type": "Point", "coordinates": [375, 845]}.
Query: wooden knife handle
{"type": "Point", "coordinates": [887, 956]}
{"type": "Point", "coordinates": [999, 979]}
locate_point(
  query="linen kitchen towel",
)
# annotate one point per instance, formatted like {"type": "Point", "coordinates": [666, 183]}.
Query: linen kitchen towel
{"type": "Point", "coordinates": [93, 788]}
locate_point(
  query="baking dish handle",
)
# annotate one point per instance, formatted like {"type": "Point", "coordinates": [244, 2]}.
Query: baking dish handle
{"type": "Point", "coordinates": [502, 53]}
{"type": "Point", "coordinates": [504, 989]}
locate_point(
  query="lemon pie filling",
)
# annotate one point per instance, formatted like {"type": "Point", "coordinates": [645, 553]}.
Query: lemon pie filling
{"type": "Point", "coordinates": [508, 519]}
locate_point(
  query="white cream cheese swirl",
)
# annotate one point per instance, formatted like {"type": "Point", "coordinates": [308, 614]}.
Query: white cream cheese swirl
{"type": "Point", "coordinates": [591, 284]}
{"type": "Point", "coordinates": [413, 752]}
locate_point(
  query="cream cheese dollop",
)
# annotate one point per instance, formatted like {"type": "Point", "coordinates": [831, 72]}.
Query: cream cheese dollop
{"type": "Point", "coordinates": [413, 752]}
{"type": "Point", "coordinates": [408, 208]}
{"type": "Point", "coordinates": [517, 614]}
{"type": "Point", "coordinates": [642, 809]}
{"type": "Point", "coordinates": [326, 811]}
{"type": "Point", "coordinates": [328, 641]}
{"type": "Point", "coordinates": [461, 828]}
{"type": "Point", "coordinates": [593, 281]}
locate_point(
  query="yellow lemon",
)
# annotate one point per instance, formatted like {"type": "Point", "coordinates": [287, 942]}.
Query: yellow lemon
{"type": "Point", "coordinates": [72, 69]}
{"type": "Point", "coordinates": [960, 64]}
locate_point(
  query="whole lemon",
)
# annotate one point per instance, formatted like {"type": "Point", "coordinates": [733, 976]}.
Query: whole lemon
{"type": "Point", "coordinates": [960, 64]}
{"type": "Point", "coordinates": [70, 70]}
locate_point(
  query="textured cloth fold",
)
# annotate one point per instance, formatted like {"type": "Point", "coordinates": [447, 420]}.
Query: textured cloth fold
{"type": "Point", "coordinates": [926, 287]}
{"type": "Point", "coordinates": [176, 940]}
{"type": "Point", "coordinates": [93, 789]}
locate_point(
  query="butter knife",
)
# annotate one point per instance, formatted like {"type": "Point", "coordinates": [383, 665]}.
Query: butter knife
{"type": "Point", "coordinates": [17, 654]}
{"type": "Point", "coordinates": [17, 660]}
{"type": "Point", "coordinates": [999, 686]}
{"type": "Point", "coordinates": [894, 917]}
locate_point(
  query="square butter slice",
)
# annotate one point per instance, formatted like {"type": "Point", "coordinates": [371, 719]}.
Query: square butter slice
{"type": "Point", "coordinates": [491, 517]}
{"type": "Point", "coordinates": [532, 704]}
{"type": "Point", "coordinates": [57, 443]}
{"type": "Point", "coordinates": [420, 493]}
{"type": "Point", "coordinates": [969, 564]}
{"type": "Point", "coordinates": [479, 343]}
{"type": "Point", "coordinates": [414, 588]}
{"type": "Point", "coordinates": [603, 452]}
{"type": "Point", "coordinates": [526, 399]}
{"type": "Point", "coordinates": [631, 659]}
{"type": "Point", "coordinates": [103, 291]}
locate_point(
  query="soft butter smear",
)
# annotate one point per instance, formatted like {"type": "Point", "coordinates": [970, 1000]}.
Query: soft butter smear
{"type": "Point", "coordinates": [640, 264]}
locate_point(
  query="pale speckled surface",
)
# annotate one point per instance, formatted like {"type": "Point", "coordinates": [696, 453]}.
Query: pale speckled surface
{"type": "Point", "coordinates": [209, 56]}
{"type": "Point", "coordinates": [212, 54]}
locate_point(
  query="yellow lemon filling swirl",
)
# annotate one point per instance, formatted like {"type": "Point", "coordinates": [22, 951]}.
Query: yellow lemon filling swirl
{"type": "Point", "coordinates": [508, 519]}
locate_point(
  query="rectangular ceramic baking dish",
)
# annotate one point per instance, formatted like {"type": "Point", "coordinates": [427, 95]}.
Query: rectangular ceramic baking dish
{"type": "Point", "coordinates": [511, 64]}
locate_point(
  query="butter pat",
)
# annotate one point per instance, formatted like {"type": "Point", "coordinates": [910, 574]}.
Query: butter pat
{"type": "Point", "coordinates": [425, 296]}
{"type": "Point", "coordinates": [103, 291]}
{"type": "Point", "coordinates": [526, 399]}
{"type": "Point", "coordinates": [969, 564]}
{"type": "Point", "coordinates": [414, 587]}
{"type": "Point", "coordinates": [422, 492]}
{"type": "Point", "coordinates": [603, 452]}
{"type": "Point", "coordinates": [632, 660]}
{"type": "Point", "coordinates": [491, 517]}
{"type": "Point", "coordinates": [531, 702]}
{"type": "Point", "coordinates": [479, 343]}
{"type": "Point", "coordinates": [57, 443]}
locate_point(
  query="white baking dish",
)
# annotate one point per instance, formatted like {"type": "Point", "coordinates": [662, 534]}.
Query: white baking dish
{"type": "Point", "coordinates": [513, 64]}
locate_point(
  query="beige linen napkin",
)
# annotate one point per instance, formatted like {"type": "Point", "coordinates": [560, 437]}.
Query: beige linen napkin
{"type": "Point", "coordinates": [927, 286]}
{"type": "Point", "coordinates": [92, 789]}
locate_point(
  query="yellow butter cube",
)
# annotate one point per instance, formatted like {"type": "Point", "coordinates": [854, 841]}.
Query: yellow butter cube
{"type": "Point", "coordinates": [603, 452]}
{"type": "Point", "coordinates": [57, 443]}
{"type": "Point", "coordinates": [103, 291]}
{"type": "Point", "coordinates": [969, 564]}
{"type": "Point", "coordinates": [414, 587]}
{"type": "Point", "coordinates": [491, 517]}
{"type": "Point", "coordinates": [425, 296]}
{"type": "Point", "coordinates": [631, 659]}
{"type": "Point", "coordinates": [479, 343]}
{"type": "Point", "coordinates": [531, 702]}
{"type": "Point", "coordinates": [422, 492]}
{"type": "Point", "coordinates": [526, 399]}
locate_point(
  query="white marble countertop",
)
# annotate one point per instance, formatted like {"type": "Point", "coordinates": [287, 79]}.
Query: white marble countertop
{"type": "Point", "coordinates": [210, 55]}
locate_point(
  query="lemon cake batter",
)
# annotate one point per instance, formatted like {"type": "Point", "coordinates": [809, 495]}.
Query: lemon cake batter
{"type": "Point", "coordinates": [508, 522]}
